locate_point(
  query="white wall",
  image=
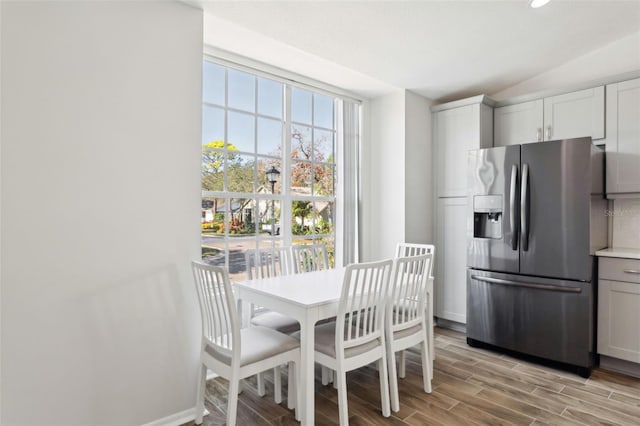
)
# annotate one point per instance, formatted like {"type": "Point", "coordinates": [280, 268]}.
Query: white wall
{"type": "Point", "coordinates": [100, 210]}
{"type": "Point", "coordinates": [619, 57]}
{"type": "Point", "coordinates": [419, 185]}
{"type": "Point", "coordinates": [397, 174]}
{"type": "Point", "coordinates": [626, 223]}
{"type": "Point", "coordinates": [383, 156]}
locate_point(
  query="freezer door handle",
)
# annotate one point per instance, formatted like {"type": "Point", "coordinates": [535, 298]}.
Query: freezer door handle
{"type": "Point", "coordinates": [512, 207]}
{"type": "Point", "coordinates": [547, 287]}
{"type": "Point", "coordinates": [524, 208]}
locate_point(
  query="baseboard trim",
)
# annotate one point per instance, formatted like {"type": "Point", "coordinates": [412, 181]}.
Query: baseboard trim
{"type": "Point", "coordinates": [452, 325]}
{"type": "Point", "coordinates": [620, 366]}
{"type": "Point", "coordinates": [182, 417]}
{"type": "Point", "coordinates": [176, 419]}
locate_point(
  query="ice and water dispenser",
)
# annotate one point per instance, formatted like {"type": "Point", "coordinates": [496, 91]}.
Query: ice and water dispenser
{"type": "Point", "coordinates": [487, 216]}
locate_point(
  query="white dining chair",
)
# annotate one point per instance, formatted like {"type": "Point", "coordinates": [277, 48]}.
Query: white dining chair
{"type": "Point", "coordinates": [230, 351]}
{"type": "Point", "coordinates": [309, 257]}
{"type": "Point", "coordinates": [410, 249]}
{"type": "Point", "coordinates": [266, 263]}
{"type": "Point", "coordinates": [357, 336]}
{"type": "Point", "coordinates": [405, 320]}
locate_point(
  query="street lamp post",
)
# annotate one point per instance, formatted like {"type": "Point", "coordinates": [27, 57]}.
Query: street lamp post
{"type": "Point", "coordinates": [273, 175]}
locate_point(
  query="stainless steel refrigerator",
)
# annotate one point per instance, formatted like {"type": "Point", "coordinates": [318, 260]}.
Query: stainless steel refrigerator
{"type": "Point", "coordinates": [536, 217]}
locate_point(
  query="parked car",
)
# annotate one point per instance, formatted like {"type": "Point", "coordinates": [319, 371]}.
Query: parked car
{"type": "Point", "coordinates": [266, 227]}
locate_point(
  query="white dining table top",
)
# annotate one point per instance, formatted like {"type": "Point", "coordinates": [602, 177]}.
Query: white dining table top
{"type": "Point", "coordinates": [318, 287]}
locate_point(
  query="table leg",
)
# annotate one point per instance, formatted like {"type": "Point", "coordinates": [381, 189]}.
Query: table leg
{"type": "Point", "coordinates": [307, 377]}
{"type": "Point", "coordinates": [245, 313]}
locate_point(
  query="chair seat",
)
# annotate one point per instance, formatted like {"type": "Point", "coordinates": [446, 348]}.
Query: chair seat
{"type": "Point", "coordinates": [400, 334]}
{"type": "Point", "coordinates": [258, 343]}
{"type": "Point", "coordinates": [276, 321]}
{"type": "Point", "coordinates": [325, 341]}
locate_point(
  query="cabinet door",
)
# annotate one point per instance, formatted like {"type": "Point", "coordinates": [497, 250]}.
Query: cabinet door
{"type": "Point", "coordinates": [451, 260]}
{"type": "Point", "coordinates": [618, 319]}
{"type": "Point", "coordinates": [623, 137]}
{"type": "Point", "coordinates": [575, 114]}
{"type": "Point", "coordinates": [516, 124]}
{"type": "Point", "coordinates": [455, 132]}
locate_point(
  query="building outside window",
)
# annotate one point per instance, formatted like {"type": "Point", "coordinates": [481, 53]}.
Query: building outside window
{"type": "Point", "coordinates": [249, 123]}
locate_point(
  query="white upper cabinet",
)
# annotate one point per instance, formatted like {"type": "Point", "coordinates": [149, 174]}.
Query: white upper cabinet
{"type": "Point", "coordinates": [570, 115]}
{"type": "Point", "coordinates": [456, 130]}
{"type": "Point", "coordinates": [623, 138]}
{"type": "Point", "coordinates": [574, 115]}
{"type": "Point", "coordinates": [520, 123]}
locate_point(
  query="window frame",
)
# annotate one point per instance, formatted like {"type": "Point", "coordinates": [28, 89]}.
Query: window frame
{"type": "Point", "coordinates": [285, 196]}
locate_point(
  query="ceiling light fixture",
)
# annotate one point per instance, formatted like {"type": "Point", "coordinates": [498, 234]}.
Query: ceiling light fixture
{"type": "Point", "coordinates": [537, 3]}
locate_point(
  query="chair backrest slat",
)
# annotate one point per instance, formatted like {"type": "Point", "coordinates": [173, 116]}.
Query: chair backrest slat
{"type": "Point", "coordinates": [268, 262]}
{"type": "Point", "coordinates": [220, 323]}
{"type": "Point", "coordinates": [410, 249]}
{"type": "Point", "coordinates": [309, 257]}
{"type": "Point", "coordinates": [362, 303]}
{"type": "Point", "coordinates": [408, 291]}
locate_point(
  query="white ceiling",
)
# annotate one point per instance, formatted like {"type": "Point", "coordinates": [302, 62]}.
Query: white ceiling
{"type": "Point", "coordinates": [440, 49]}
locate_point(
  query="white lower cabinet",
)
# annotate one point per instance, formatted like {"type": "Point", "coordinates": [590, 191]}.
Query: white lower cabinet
{"type": "Point", "coordinates": [451, 263]}
{"type": "Point", "coordinates": [619, 309]}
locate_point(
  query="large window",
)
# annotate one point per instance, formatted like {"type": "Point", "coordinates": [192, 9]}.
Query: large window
{"type": "Point", "coordinates": [250, 124]}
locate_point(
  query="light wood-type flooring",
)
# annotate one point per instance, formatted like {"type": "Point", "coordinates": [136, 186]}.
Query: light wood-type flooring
{"type": "Point", "coordinates": [470, 386]}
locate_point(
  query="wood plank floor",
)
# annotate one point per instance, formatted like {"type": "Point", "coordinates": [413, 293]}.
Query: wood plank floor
{"type": "Point", "coordinates": [470, 386]}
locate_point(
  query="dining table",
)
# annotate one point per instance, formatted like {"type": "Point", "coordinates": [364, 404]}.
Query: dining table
{"type": "Point", "coordinates": [307, 297]}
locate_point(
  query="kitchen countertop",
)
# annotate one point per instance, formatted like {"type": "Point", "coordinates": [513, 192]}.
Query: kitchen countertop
{"type": "Point", "coordinates": [627, 253]}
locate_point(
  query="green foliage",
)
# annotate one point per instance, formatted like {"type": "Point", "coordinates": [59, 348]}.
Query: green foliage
{"type": "Point", "coordinates": [218, 157]}
{"type": "Point", "coordinates": [209, 251]}
{"type": "Point", "coordinates": [299, 229]}
{"type": "Point", "coordinates": [323, 227]}
{"type": "Point", "coordinates": [301, 209]}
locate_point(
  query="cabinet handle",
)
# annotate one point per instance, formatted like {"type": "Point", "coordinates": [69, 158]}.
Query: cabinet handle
{"type": "Point", "coordinates": [539, 134]}
{"type": "Point", "coordinates": [631, 271]}
{"type": "Point", "coordinates": [548, 133]}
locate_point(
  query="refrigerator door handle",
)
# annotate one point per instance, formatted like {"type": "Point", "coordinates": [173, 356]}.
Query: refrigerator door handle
{"type": "Point", "coordinates": [512, 207]}
{"type": "Point", "coordinates": [547, 287]}
{"type": "Point", "coordinates": [524, 208]}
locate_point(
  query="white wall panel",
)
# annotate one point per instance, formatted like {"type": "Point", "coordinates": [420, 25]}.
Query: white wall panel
{"type": "Point", "coordinates": [100, 210]}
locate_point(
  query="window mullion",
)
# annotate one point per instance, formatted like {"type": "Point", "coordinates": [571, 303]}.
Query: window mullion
{"type": "Point", "coordinates": [285, 205]}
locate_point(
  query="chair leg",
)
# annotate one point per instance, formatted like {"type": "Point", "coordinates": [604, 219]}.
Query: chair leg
{"type": "Point", "coordinates": [202, 381]}
{"type": "Point", "coordinates": [232, 404]}
{"type": "Point", "coordinates": [291, 387]}
{"type": "Point", "coordinates": [298, 400]}
{"type": "Point", "coordinates": [333, 377]}
{"type": "Point", "coordinates": [384, 386]}
{"type": "Point", "coordinates": [403, 365]}
{"type": "Point", "coordinates": [341, 379]}
{"type": "Point", "coordinates": [261, 391]}
{"type": "Point", "coordinates": [432, 350]}
{"type": "Point", "coordinates": [277, 385]}
{"type": "Point", "coordinates": [393, 379]}
{"type": "Point", "coordinates": [325, 376]}
{"type": "Point", "coordinates": [426, 369]}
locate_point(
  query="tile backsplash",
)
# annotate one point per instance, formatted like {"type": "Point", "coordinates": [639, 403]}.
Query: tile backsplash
{"type": "Point", "coordinates": [626, 223]}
